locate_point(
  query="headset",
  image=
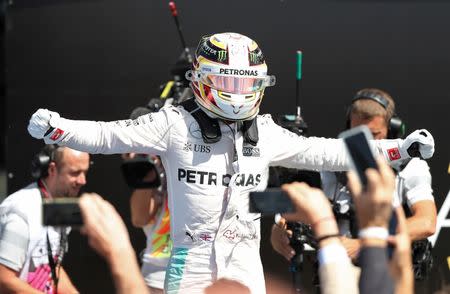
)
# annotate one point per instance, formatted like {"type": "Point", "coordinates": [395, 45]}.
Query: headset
{"type": "Point", "coordinates": [396, 127]}
{"type": "Point", "coordinates": [42, 160]}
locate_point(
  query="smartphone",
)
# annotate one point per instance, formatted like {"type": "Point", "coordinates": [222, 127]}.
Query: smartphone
{"type": "Point", "coordinates": [361, 155]}
{"type": "Point", "coordinates": [271, 201]}
{"type": "Point", "coordinates": [61, 212]}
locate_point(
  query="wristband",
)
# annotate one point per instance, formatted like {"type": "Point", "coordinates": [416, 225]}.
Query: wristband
{"type": "Point", "coordinates": [326, 218]}
{"type": "Point", "coordinates": [321, 238]}
{"type": "Point", "coordinates": [374, 232]}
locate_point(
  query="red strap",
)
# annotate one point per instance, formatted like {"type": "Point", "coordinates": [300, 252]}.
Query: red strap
{"type": "Point", "coordinates": [43, 189]}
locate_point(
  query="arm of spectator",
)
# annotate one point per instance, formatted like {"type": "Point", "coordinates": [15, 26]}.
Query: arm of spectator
{"type": "Point", "coordinates": [108, 236]}
{"type": "Point", "coordinates": [14, 241]}
{"type": "Point", "coordinates": [422, 223]}
{"type": "Point", "coordinates": [65, 285]}
{"type": "Point", "coordinates": [352, 246]}
{"type": "Point", "coordinates": [144, 204]}
{"type": "Point", "coordinates": [312, 207]}
{"type": "Point", "coordinates": [401, 263]}
{"type": "Point", "coordinates": [279, 238]}
{"type": "Point", "coordinates": [10, 283]}
{"type": "Point", "coordinates": [373, 210]}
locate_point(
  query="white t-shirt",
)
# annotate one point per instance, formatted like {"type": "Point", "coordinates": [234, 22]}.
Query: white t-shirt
{"type": "Point", "coordinates": [23, 239]}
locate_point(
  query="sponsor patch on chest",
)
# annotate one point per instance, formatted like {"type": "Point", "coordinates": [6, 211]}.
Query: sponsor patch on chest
{"type": "Point", "coordinates": [198, 148]}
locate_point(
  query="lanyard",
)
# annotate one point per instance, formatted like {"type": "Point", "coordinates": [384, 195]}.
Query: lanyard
{"type": "Point", "coordinates": [43, 189]}
{"type": "Point", "coordinates": [54, 264]}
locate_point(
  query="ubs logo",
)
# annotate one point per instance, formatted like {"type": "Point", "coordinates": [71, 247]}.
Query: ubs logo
{"type": "Point", "coordinates": [197, 148]}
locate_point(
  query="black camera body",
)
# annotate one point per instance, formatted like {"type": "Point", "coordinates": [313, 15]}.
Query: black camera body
{"type": "Point", "coordinates": [422, 259]}
{"type": "Point", "coordinates": [140, 172]}
{"type": "Point", "coordinates": [302, 234]}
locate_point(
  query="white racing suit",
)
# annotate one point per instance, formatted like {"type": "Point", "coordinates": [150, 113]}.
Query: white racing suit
{"type": "Point", "coordinates": [214, 235]}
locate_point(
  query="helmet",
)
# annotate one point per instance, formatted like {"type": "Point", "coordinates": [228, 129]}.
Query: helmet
{"type": "Point", "coordinates": [229, 76]}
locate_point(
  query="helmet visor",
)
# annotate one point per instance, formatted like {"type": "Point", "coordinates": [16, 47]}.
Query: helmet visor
{"type": "Point", "coordinates": [234, 84]}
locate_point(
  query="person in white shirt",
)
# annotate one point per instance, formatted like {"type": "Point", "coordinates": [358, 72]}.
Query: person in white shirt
{"type": "Point", "coordinates": [376, 109]}
{"type": "Point", "coordinates": [26, 246]}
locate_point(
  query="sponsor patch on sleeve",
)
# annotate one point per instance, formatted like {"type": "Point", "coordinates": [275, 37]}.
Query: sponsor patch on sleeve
{"type": "Point", "coordinates": [57, 134]}
{"type": "Point", "coordinates": [394, 154]}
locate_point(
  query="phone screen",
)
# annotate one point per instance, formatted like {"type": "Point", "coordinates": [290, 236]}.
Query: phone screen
{"type": "Point", "coordinates": [61, 212]}
{"type": "Point", "coordinates": [270, 201]}
{"type": "Point", "coordinates": [362, 156]}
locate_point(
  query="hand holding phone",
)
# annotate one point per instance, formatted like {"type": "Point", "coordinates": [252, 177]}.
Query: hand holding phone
{"type": "Point", "coordinates": [296, 201]}
{"type": "Point", "coordinates": [373, 197]}
{"type": "Point", "coordinates": [271, 201]}
{"type": "Point", "coordinates": [61, 212]}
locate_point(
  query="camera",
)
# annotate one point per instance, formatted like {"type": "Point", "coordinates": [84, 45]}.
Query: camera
{"type": "Point", "coordinates": [422, 259]}
{"type": "Point", "coordinates": [141, 172]}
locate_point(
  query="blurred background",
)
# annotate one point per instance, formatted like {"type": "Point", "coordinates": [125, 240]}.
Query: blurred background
{"type": "Point", "coordinates": [99, 59]}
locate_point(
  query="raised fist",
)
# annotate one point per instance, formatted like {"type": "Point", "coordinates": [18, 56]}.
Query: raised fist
{"type": "Point", "coordinates": [419, 143]}
{"type": "Point", "coordinates": [43, 124]}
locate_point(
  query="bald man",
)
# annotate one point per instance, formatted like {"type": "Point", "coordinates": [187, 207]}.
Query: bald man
{"type": "Point", "coordinates": [25, 263]}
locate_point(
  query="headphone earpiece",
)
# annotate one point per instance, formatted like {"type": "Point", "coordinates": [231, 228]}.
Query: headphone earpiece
{"type": "Point", "coordinates": [41, 161]}
{"type": "Point", "coordinates": [396, 127]}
